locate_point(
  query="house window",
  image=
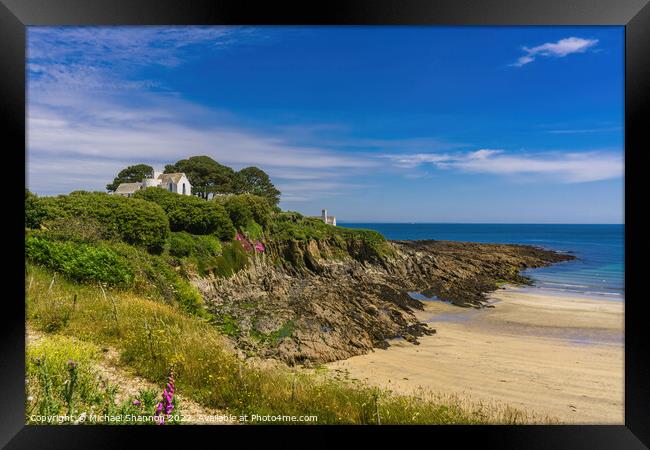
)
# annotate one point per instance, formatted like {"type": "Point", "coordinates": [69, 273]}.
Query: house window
{"type": "Point", "coordinates": [184, 189]}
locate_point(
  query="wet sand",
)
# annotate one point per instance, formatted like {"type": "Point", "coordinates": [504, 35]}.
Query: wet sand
{"type": "Point", "coordinates": [555, 356]}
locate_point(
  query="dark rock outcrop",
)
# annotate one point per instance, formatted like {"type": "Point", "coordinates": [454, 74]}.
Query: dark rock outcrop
{"type": "Point", "coordinates": [319, 301]}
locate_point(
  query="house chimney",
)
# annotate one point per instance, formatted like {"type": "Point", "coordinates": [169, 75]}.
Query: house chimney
{"type": "Point", "coordinates": [324, 215]}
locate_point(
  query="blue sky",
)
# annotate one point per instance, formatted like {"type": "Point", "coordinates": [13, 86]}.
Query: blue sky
{"type": "Point", "coordinates": [395, 124]}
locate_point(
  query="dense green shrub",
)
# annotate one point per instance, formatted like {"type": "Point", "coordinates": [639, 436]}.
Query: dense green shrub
{"type": "Point", "coordinates": [199, 252]}
{"type": "Point", "coordinates": [155, 275]}
{"type": "Point", "coordinates": [189, 298]}
{"type": "Point", "coordinates": [238, 210]}
{"type": "Point", "coordinates": [135, 221]}
{"type": "Point", "coordinates": [191, 214]}
{"type": "Point", "coordinates": [183, 244]}
{"type": "Point", "coordinates": [80, 262]}
{"type": "Point", "coordinates": [78, 229]}
{"type": "Point", "coordinates": [34, 210]}
{"type": "Point", "coordinates": [246, 207]}
{"type": "Point", "coordinates": [253, 231]}
{"type": "Point", "coordinates": [260, 207]}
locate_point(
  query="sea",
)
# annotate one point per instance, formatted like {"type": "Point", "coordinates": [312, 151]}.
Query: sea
{"type": "Point", "coordinates": [598, 271]}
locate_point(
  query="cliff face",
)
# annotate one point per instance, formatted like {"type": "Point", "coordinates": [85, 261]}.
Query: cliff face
{"type": "Point", "coordinates": [318, 301]}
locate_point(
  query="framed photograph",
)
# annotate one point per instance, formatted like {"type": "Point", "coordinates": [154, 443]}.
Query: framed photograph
{"type": "Point", "coordinates": [377, 214]}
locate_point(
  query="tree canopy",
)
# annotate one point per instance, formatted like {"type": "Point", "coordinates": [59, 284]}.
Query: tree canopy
{"type": "Point", "coordinates": [131, 174]}
{"type": "Point", "coordinates": [206, 175]}
{"type": "Point", "coordinates": [252, 180]}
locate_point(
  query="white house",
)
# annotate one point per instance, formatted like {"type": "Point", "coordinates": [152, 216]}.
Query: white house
{"type": "Point", "coordinates": [173, 182]}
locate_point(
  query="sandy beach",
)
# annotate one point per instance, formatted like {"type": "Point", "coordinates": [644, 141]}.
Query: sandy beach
{"type": "Point", "coordinates": [555, 356]}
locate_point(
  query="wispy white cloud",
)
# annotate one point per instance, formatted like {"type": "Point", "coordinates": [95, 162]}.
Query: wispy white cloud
{"type": "Point", "coordinates": [90, 112]}
{"type": "Point", "coordinates": [565, 167]}
{"type": "Point", "coordinates": [584, 130]}
{"type": "Point", "coordinates": [127, 46]}
{"type": "Point", "coordinates": [409, 161]}
{"type": "Point", "coordinates": [558, 49]}
{"type": "Point", "coordinates": [133, 136]}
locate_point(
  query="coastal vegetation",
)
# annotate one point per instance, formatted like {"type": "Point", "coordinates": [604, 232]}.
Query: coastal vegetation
{"type": "Point", "coordinates": [152, 336]}
{"type": "Point", "coordinates": [191, 214]}
{"type": "Point", "coordinates": [208, 288]}
{"type": "Point", "coordinates": [108, 217]}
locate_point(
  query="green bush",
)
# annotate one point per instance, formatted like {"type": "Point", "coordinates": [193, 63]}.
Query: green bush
{"type": "Point", "coordinates": [81, 262]}
{"type": "Point", "coordinates": [34, 210]}
{"type": "Point", "coordinates": [200, 250]}
{"type": "Point", "coordinates": [137, 222]}
{"type": "Point", "coordinates": [78, 229]}
{"type": "Point", "coordinates": [183, 244]}
{"type": "Point", "coordinates": [191, 214]}
{"type": "Point", "coordinates": [253, 231]}
{"type": "Point", "coordinates": [246, 207]}
{"type": "Point", "coordinates": [238, 210]}
{"type": "Point", "coordinates": [189, 298]}
{"type": "Point", "coordinates": [207, 245]}
{"type": "Point", "coordinates": [261, 209]}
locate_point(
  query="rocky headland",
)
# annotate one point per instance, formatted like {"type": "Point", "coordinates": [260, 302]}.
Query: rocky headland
{"type": "Point", "coordinates": [316, 301]}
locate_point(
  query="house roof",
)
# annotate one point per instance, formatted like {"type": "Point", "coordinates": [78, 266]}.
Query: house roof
{"type": "Point", "coordinates": [128, 188]}
{"type": "Point", "coordinates": [173, 177]}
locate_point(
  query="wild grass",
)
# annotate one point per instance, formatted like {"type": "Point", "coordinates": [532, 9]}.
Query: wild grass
{"type": "Point", "coordinates": [152, 336]}
{"type": "Point", "coordinates": [64, 386]}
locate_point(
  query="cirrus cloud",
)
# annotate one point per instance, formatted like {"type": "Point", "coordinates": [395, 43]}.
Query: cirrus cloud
{"type": "Point", "coordinates": [565, 167]}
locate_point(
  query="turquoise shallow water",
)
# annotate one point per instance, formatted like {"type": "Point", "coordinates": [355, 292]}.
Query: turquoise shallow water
{"type": "Point", "coordinates": [598, 271]}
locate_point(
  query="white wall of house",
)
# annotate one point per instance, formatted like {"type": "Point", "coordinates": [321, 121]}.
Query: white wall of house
{"type": "Point", "coordinates": [183, 186]}
{"type": "Point", "coordinates": [149, 182]}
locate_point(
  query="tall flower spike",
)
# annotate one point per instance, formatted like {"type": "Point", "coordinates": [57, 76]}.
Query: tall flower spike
{"type": "Point", "coordinates": [166, 406]}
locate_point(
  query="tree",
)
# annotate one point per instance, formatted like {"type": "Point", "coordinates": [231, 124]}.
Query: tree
{"type": "Point", "coordinates": [131, 174]}
{"type": "Point", "coordinates": [252, 180]}
{"type": "Point", "coordinates": [206, 175]}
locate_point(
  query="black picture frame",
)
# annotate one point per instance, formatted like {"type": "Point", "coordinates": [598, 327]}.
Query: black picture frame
{"type": "Point", "coordinates": [15, 15]}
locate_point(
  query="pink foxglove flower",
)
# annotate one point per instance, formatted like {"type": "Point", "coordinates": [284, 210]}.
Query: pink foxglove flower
{"type": "Point", "coordinates": [165, 407]}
